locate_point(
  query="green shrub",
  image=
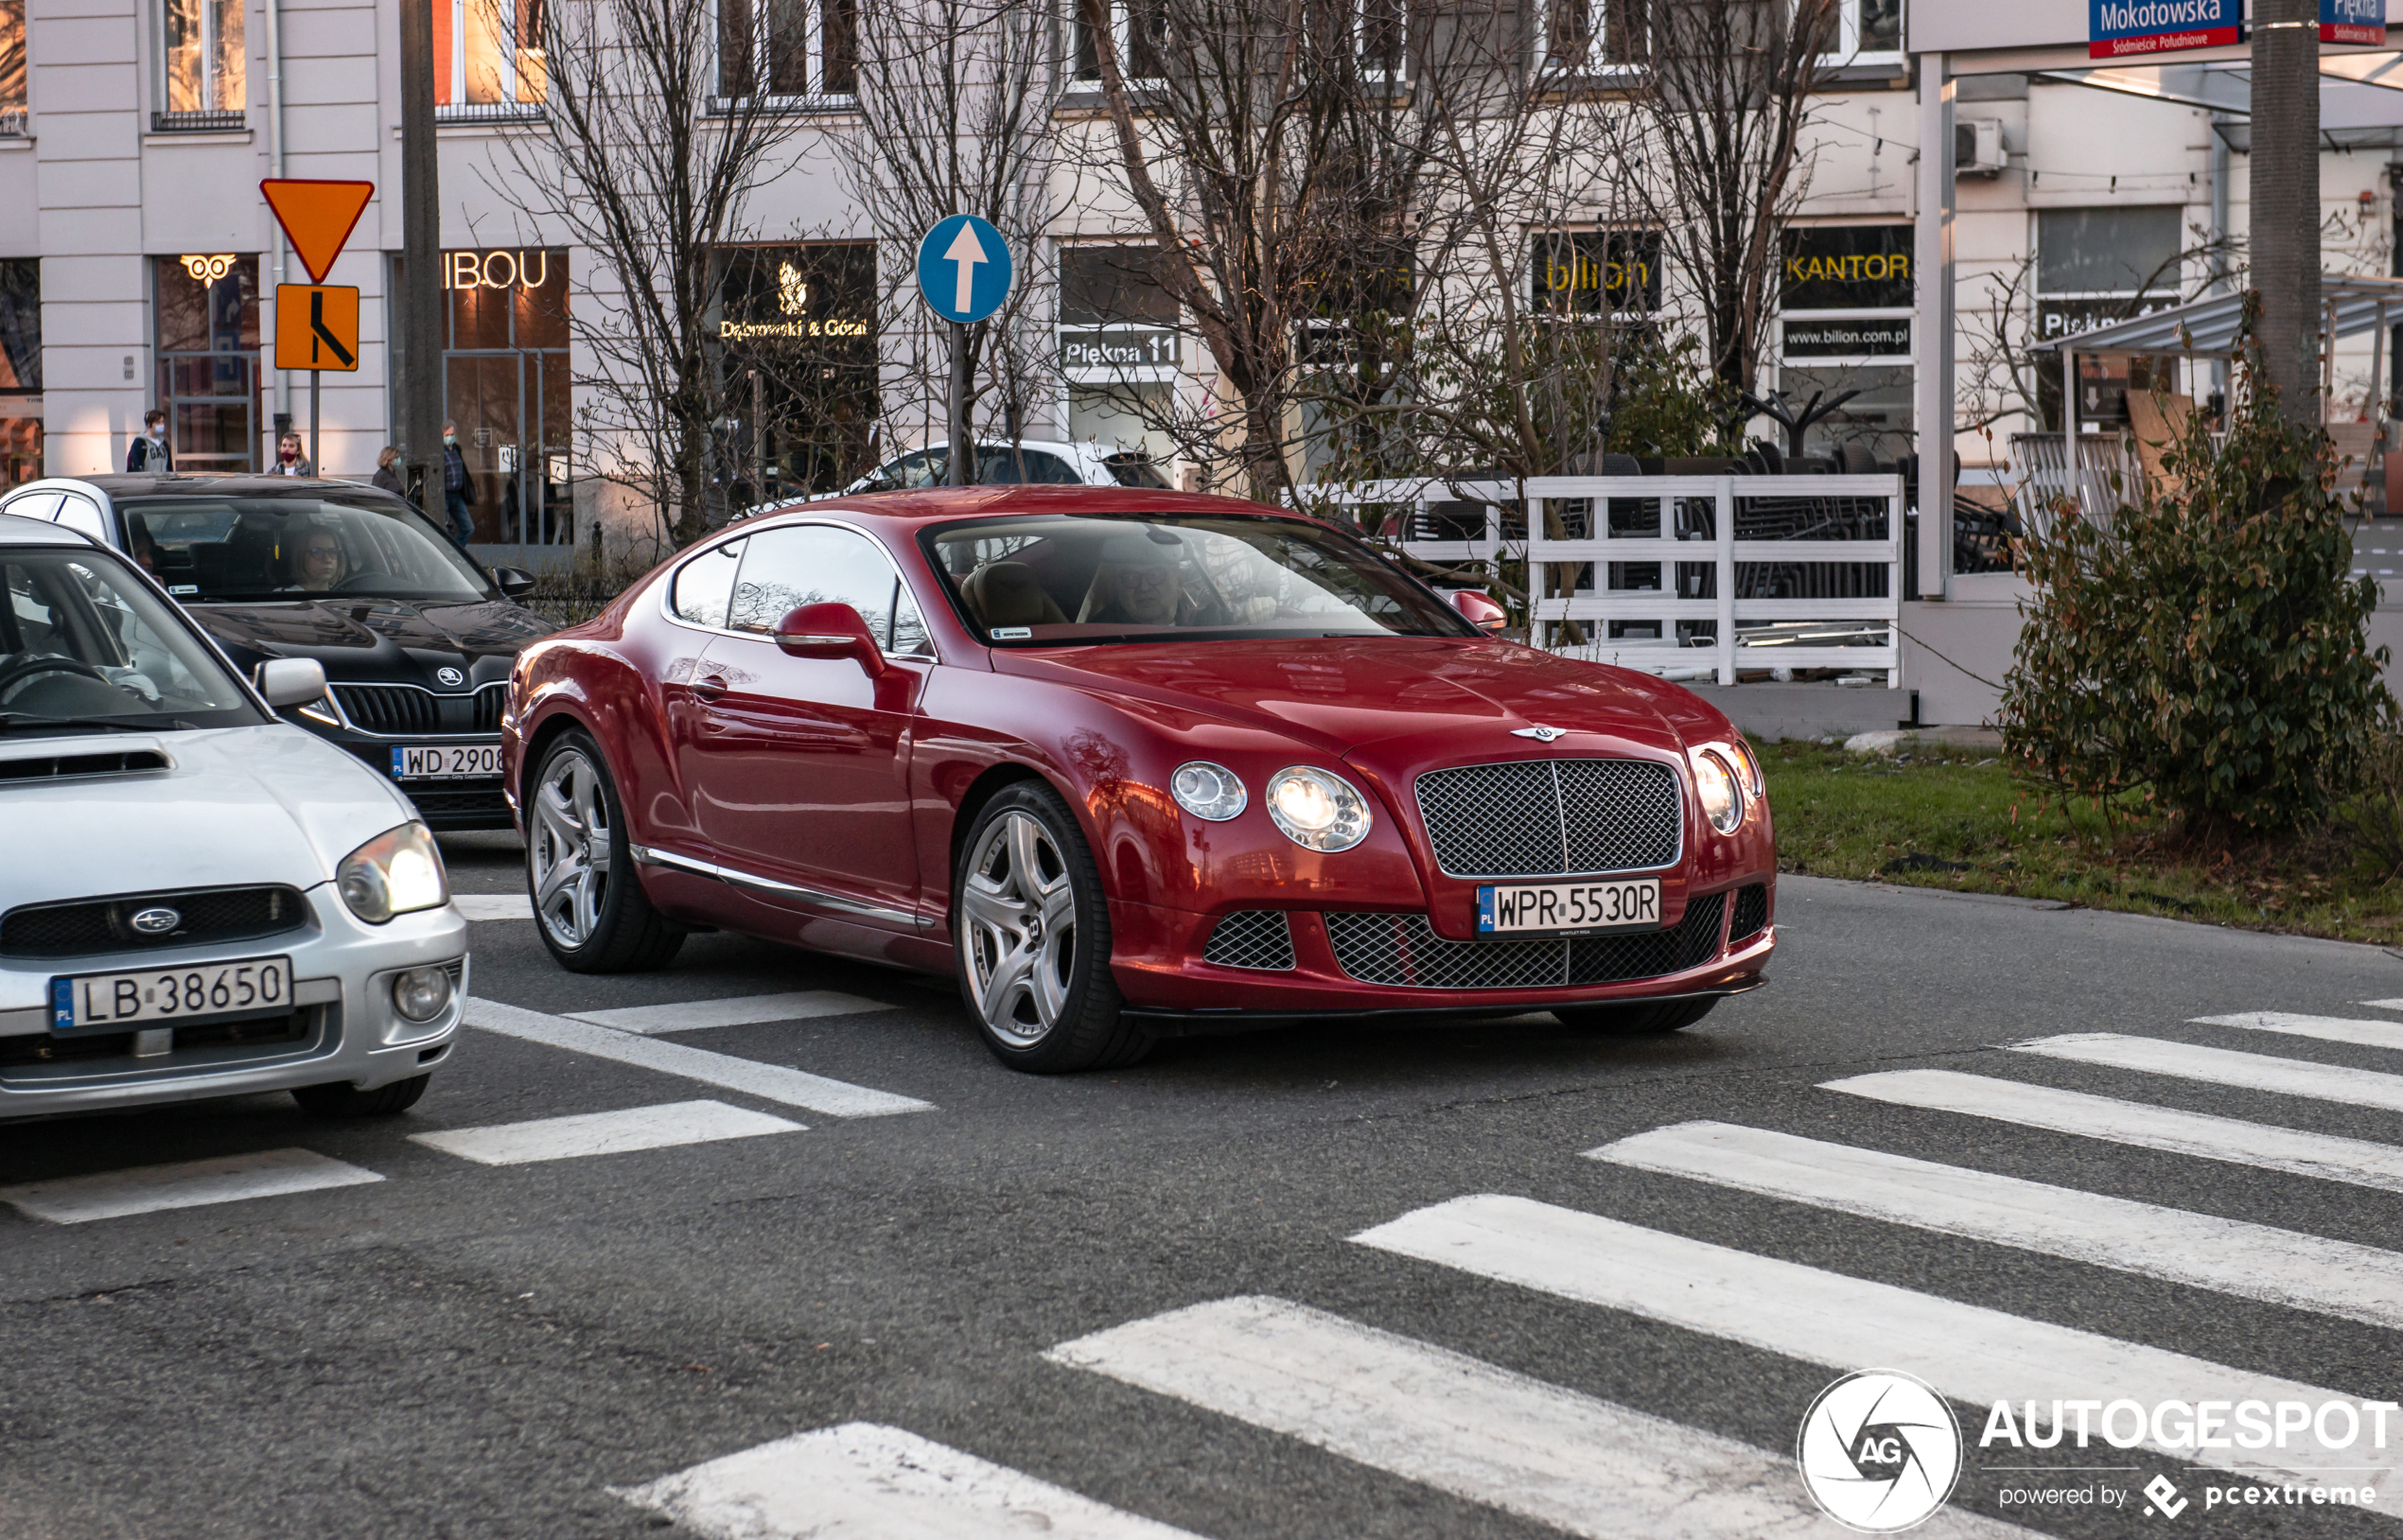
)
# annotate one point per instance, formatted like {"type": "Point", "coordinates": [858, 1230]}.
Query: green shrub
{"type": "Point", "coordinates": [2203, 644]}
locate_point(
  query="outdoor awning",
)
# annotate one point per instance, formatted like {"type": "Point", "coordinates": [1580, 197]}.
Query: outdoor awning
{"type": "Point", "coordinates": [2207, 329]}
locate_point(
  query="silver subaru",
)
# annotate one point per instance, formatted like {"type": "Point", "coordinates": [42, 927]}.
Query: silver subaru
{"type": "Point", "coordinates": [197, 898]}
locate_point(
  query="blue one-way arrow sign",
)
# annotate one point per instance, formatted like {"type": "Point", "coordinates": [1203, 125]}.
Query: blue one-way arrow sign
{"type": "Point", "coordinates": [963, 268]}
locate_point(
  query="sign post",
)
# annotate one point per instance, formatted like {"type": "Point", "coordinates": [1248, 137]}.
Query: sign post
{"type": "Point", "coordinates": [316, 324]}
{"type": "Point", "coordinates": [964, 272]}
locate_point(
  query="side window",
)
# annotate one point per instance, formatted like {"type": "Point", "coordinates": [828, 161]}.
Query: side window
{"type": "Point", "coordinates": [704, 586]}
{"type": "Point", "coordinates": [81, 515]}
{"type": "Point", "coordinates": [1000, 467]}
{"type": "Point", "coordinates": [32, 505]}
{"type": "Point", "coordinates": [818, 564]}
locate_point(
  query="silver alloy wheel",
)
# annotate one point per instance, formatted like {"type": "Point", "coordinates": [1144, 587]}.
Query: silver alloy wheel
{"type": "Point", "coordinates": [1019, 916]}
{"type": "Point", "coordinates": [568, 853]}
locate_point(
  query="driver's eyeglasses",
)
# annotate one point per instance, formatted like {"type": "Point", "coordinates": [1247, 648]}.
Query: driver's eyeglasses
{"type": "Point", "coordinates": [326, 552]}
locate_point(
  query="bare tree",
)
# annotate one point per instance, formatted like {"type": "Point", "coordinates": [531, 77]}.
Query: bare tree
{"type": "Point", "coordinates": [954, 117]}
{"type": "Point", "coordinates": [652, 141]}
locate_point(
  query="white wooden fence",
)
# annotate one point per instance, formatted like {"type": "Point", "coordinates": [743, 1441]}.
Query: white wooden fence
{"type": "Point", "coordinates": [1684, 538]}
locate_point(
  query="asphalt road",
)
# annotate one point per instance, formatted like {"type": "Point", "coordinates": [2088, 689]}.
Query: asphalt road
{"type": "Point", "coordinates": [469, 1349]}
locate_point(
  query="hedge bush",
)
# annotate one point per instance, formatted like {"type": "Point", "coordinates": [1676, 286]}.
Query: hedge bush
{"type": "Point", "coordinates": [2203, 644]}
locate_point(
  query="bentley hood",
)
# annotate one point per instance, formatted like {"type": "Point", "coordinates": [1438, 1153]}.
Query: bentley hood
{"type": "Point", "coordinates": [233, 805]}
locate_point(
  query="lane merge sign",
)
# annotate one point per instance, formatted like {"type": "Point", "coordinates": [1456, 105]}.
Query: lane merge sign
{"type": "Point", "coordinates": [316, 328]}
{"type": "Point", "coordinates": [317, 217]}
{"type": "Point", "coordinates": [963, 268]}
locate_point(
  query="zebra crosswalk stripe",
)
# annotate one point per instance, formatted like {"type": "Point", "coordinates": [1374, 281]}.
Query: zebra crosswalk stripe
{"type": "Point", "coordinates": [2361, 1162]}
{"type": "Point", "coordinates": [1487, 1434]}
{"type": "Point", "coordinates": [2368, 1034]}
{"type": "Point", "coordinates": [865, 1481]}
{"type": "Point", "coordinates": [2254, 1261]}
{"type": "Point", "coordinates": [1968, 1352]}
{"type": "Point", "coordinates": [2223, 1066]}
{"type": "Point", "coordinates": [147, 1189]}
{"type": "Point", "coordinates": [604, 1133]}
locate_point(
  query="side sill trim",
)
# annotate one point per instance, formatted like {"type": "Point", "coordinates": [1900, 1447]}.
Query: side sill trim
{"type": "Point", "coordinates": [651, 856]}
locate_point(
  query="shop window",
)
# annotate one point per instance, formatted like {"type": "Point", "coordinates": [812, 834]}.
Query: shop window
{"type": "Point", "coordinates": [488, 58]}
{"type": "Point", "coordinates": [202, 56]}
{"type": "Point", "coordinates": [1120, 345]}
{"type": "Point", "coordinates": [2095, 266]}
{"type": "Point", "coordinates": [796, 356]}
{"type": "Point", "coordinates": [19, 370]}
{"type": "Point", "coordinates": [506, 384]}
{"type": "Point", "coordinates": [1872, 430]}
{"type": "Point", "coordinates": [1579, 275]}
{"type": "Point", "coordinates": [208, 356]}
{"type": "Point", "coordinates": [12, 118]}
{"type": "Point", "coordinates": [1138, 29]}
{"type": "Point", "coordinates": [788, 47]}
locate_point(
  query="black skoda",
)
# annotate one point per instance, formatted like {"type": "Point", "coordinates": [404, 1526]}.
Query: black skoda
{"type": "Point", "coordinates": [416, 638]}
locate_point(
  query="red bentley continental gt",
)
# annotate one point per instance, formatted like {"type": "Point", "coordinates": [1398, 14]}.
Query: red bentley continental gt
{"type": "Point", "coordinates": [1130, 764]}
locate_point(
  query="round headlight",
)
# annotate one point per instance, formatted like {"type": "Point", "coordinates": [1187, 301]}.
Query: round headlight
{"type": "Point", "coordinates": [420, 993]}
{"type": "Point", "coordinates": [1209, 792]}
{"type": "Point", "coordinates": [1722, 798]}
{"type": "Point", "coordinates": [1317, 810]}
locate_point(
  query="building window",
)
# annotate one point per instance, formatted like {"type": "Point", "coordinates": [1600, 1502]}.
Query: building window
{"type": "Point", "coordinates": [1866, 31]}
{"type": "Point", "coordinates": [1579, 275]}
{"type": "Point", "coordinates": [208, 364]}
{"type": "Point", "coordinates": [796, 360]}
{"type": "Point", "coordinates": [1844, 301]}
{"type": "Point", "coordinates": [1119, 331]}
{"type": "Point", "coordinates": [1137, 28]}
{"type": "Point", "coordinates": [488, 58]}
{"type": "Point", "coordinates": [787, 47]}
{"type": "Point", "coordinates": [12, 116]}
{"type": "Point", "coordinates": [19, 370]}
{"type": "Point", "coordinates": [2097, 265]}
{"type": "Point", "coordinates": [505, 383]}
{"type": "Point", "coordinates": [1570, 29]}
{"type": "Point", "coordinates": [201, 52]}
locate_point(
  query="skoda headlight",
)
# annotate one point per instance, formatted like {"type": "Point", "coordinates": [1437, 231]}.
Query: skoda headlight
{"type": "Point", "coordinates": [397, 872]}
{"type": "Point", "coordinates": [1714, 782]}
{"type": "Point", "coordinates": [1317, 810]}
{"type": "Point", "coordinates": [1209, 792]}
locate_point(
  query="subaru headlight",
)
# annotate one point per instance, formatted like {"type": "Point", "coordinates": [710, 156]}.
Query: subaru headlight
{"type": "Point", "coordinates": [1210, 792]}
{"type": "Point", "coordinates": [395, 873]}
{"type": "Point", "coordinates": [1317, 810]}
{"type": "Point", "coordinates": [1714, 782]}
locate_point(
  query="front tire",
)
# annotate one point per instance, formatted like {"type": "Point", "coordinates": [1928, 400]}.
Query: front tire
{"type": "Point", "coordinates": [1032, 928]}
{"type": "Point", "coordinates": [343, 1100]}
{"type": "Point", "coordinates": [588, 904]}
{"type": "Point", "coordinates": [1638, 1018]}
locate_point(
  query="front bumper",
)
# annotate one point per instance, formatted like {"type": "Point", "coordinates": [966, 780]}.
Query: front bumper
{"type": "Point", "coordinates": [343, 1028]}
{"type": "Point", "coordinates": [1159, 959]}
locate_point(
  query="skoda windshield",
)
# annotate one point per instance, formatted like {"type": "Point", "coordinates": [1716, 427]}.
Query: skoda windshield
{"type": "Point", "coordinates": [1071, 580]}
{"type": "Point", "coordinates": [209, 549]}
{"type": "Point", "coordinates": [84, 644]}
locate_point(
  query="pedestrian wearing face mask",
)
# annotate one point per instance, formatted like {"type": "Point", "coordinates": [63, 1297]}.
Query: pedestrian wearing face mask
{"type": "Point", "coordinates": [288, 459]}
{"type": "Point", "coordinates": [454, 486]}
{"type": "Point", "coordinates": [149, 453]}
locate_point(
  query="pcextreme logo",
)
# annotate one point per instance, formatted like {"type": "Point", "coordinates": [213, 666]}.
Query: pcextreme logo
{"type": "Point", "coordinates": [1880, 1451]}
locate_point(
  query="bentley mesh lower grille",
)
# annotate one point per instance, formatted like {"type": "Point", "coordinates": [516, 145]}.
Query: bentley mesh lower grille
{"type": "Point", "coordinates": [1751, 912]}
{"type": "Point", "coordinates": [1404, 950]}
{"type": "Point", "coordinates": [1252, 939]}
{"type": "Point", "coordinates": [1550, 817]}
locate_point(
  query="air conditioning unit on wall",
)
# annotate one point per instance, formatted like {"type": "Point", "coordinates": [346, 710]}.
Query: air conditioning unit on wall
{"type": "Point", "coordinates": [1977, 147]}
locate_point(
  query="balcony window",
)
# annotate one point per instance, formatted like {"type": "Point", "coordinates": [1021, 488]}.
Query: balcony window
{"type": "Point", "coordinates": [1137, 27]}
{"type": "Point", "coordinates": [1589, 34]}
{"type": "Point", "coordinates": [1866, 31]}
{"type": "Point", "coordinates": [488, 58]}
{"type": "Point", "coordinates": [788, 47]}
{"type": "Point", "coordinates": [201, 52]}
{"type": "Point", "coordinates": [11, 67]}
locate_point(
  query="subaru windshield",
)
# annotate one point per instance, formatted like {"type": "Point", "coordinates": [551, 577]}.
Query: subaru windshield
{"type": "Point", "coordinates": [84, 644]}
{"type": "Point", "coordinates": [1069, 580]}
{"type": "Point", "coordinates": [208, 549]}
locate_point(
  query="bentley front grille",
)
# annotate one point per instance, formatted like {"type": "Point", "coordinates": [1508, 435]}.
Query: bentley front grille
{"type": "Point", "coordinates": [1551, 817]}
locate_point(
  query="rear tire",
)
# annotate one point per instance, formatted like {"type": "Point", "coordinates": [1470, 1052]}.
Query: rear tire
{"type": "Point", "coordinates": [1638, 1018]}
{"type": "Point", "coordinates": [1032, 928]}
{"type": "Point", "coordinates": [588, 904]}
{"type": "Point", "coordinates": [344, 1101]}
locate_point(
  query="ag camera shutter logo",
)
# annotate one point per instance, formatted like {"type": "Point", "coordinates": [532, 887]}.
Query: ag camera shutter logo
{"type": "Point", "coordinates": [1879, 1451]}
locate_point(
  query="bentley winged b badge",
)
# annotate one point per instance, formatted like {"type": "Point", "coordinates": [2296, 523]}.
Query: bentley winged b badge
{"type": "Point", "coordinates": [1540, 733]}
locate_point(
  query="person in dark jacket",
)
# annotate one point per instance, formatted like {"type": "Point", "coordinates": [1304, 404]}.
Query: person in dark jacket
{"type": "Point", "coordinates": [388, 472]}
{"type": "Point", "coordinates": [150, 453]}
{"type": "Point", "coordinates": [454, 486]}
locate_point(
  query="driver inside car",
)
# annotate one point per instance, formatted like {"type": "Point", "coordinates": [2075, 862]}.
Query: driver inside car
{"type": "Point", "coordinates": [318, 563]}
{"type": "Point", "coordinates": [1137, 583]}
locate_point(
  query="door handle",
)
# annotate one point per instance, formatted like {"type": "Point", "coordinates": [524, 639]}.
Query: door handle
{"type": "Point", "coordinates": [710, 686]}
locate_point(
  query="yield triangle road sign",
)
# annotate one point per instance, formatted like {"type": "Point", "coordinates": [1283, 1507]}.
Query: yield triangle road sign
{"type": "Point", "coordinates": [317, 217]}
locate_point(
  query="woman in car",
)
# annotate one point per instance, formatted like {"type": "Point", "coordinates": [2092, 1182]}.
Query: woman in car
{"type": "Point", "coordinates": [318, 563]}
